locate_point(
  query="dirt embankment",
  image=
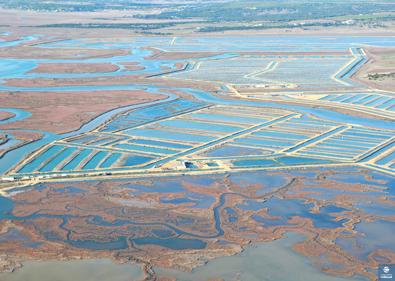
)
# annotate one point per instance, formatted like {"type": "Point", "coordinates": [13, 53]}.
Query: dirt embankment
{"type": "Point", "coordinates": [160, 55]}
{"type": "Point", "coordinates": [132, 66]}
{"type": "Point", "coordinates": [75, 68]}
{"type": "Point", "coordinates": [379, 71]}
{"type": "Point", "coordinates": [22, 138]}
{"type": "Point", "coordinates": [29, 52]}
{"type": "Point", "coordinates": [117, 80]}
{"type": "Point", "coordinates": [61, 112]}
{"type": "Point", "coordinates": [5, 115]}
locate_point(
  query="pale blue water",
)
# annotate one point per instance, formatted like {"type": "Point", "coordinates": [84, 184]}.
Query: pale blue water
{"type": "Point", "coordinates": [135, 160]}
{"type": "Point", "coordinates": [73, 164]}
{"type": "Point", "coordinates": [19, 114]}
{"type": "Point", "coordinates": [40, 159]}
{"type": "Point", "coordinates": [371, 236]}
{"type": "Point", "coordinates": [95, 160]}
{"type": "Point", "coordinates": [172, 243]}
{"type": "Point", "coordinates": [146, 149]}
{"type": "Point", "coordinates": [174, 145]}
{"type": "Point", "coordinates": [194, 125]}
{"type": "Point", "coordinates": [55, 161]}
{"type": "Point", "coordinates": [281, 161]}
{"type": "Point", "coordinates": [17, 41]}
{"type": "Point", "coordinates": [285, 209]}
{"type": "Point", "coordinates": [110, 160]}
{"type": "Point", "coordinates": [169, 136]}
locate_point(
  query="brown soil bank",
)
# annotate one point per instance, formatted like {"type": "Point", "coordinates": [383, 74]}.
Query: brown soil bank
{"type": "Point", "coordinates": [28, 52]}
{"type": "Point", "coordinates": [132, 66]}
{"type": "Point", "coordinates": [379, 71]}
{"type": "Point", "coordinates": [75, 68]}
{"type": "Point", "coordinates": [116, 80]}
{"type": "Point", "coordinates": [4, 115]}
{"type": "Point", "coordinates": [168, 55]}
{"type": "Point", "coordinates": [160, 55]}
{"type": "Point", "coordinates": [23, 137]}
{"type": "Point", "coordinates": [61, 112]}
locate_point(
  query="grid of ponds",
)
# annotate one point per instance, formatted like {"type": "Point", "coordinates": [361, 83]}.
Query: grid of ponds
{"type": "Point", "coordinates": [384, 158]}
{"type": "Point", "coordinates": [313, 71]}
{"type": "Point", "coordinates": [96, 139]}
{"type": "Point", "coordinates": [304, 140]}
{"type": "Point", "coordinates": [146, 144]}
{"type": "Point", "coordinates": [359, 59]}
{"type": "Point", "coordinates": [233, 151]}
{"type": "Point", "coordinates": [233, 44]}
{"type": "Point", "coordinates": [277, 161]}
{"type": "Point", "coordinates": [285, 135]}
{"type": "Point", "coordinates": [64, 158]}
{"type": "Point", "coordinates": [148, 114]}
{"type": "Point", "coordinates": [204, 126]}
{"type": "Point", "coordinates": [372, 100]}
{"type": "Point", "coordinates": [387, 160]}
{"type": "Point", "coordinates": [349, 144]}
{"type": "Point", "coordinates": [233, 70]}
{"type": "Point", "coordinates": [244, 136]}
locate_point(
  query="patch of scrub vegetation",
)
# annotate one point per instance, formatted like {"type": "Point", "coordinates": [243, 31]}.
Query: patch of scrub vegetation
{"type": "Point", "coordinates": [381, 76]}
{"type": "Point", "coordinates": [74, 6]}
{"type": "Point", "coordinates": [274, 11]}
{"type": "Point", "coordinates": [139, 26]}
{"type": "Point", "coordinates": [260, 26]}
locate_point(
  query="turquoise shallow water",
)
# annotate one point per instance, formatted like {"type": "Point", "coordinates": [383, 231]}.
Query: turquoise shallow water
{"type": "Point", "coordinates": [17, 41]}
{"type": "Point", "coordinates": [77, 159]}
{"type": "Point", "coordinates": [38, 161]}
{"type": "Point", "coordinates": [19, 115]}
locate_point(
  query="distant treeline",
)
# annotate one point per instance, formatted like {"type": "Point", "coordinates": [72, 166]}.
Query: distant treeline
{"type": "Point", "coordinates": [75, 6]}
{"type": "Point", "coordinates": [138, 26]}
{"type": "Point", "coordinates": [216, 28]}
{"type": "Point", "coordinates": [274, 11]}
{"type": "Point", "coordinates": [260, 27]}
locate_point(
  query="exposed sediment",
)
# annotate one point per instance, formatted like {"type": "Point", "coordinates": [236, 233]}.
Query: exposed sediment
{"type": "Point", "coordinates": [75, 68]}
{"type": "Point", "coordinates": [61, 112]}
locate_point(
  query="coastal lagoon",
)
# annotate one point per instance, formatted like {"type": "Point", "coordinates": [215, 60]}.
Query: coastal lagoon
{"type": "Point", "coordinates": [82, 270]}
{"type": "Point", "coordinates": [268, 261]}
{"type": "Point", "coordinates": [237, 169]}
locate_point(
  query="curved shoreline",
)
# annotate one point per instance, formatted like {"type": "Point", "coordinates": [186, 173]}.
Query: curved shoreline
{"type": "Point", "coordinates": [18, 115]}
{"type": "Point", "coordinates": [13, 157]}
{"type": "Point", "coordinates": [210, 98]}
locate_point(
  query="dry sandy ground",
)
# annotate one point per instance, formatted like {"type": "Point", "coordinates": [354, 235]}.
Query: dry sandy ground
{"type": "Point", "coordinates": [75, 68]}
{"type": "Point", "coordinates": [381, 61]}
{"type": "Point", "coordinates": [66, 111]}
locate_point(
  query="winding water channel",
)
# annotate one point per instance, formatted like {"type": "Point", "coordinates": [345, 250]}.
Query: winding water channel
{"type": "Point", "coordinates": [19, 69]}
